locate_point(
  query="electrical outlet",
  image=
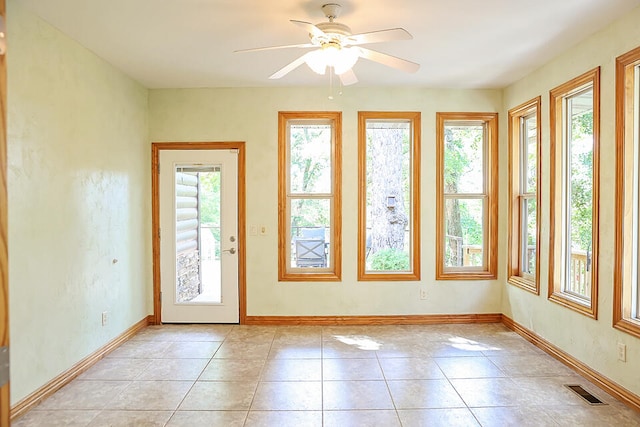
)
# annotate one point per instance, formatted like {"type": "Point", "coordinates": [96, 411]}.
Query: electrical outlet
{"type": "Point", "coordinates": [104, 318]}
{"type": "Point", "coordinates": [423, 293]}
{"type": "Point", "coordinates": [622, 352]}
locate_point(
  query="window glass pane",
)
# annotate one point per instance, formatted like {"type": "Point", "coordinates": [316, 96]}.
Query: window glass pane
{"type": "Point", "coordinates": [530, 154]}
{"type": "Point", "coordinates": [528, 249]}
{"type": "Point", "coordinates": [310, 158]}
{"type": "Point", "coordinates": [463, 158]}
{"type": "Point", "coordinates": [310, 233]}
{"type": "Point", "coordinates": [388, 195]}
{"type": "Point", "coordinates": [580, 192]}
{"type": "Point", "coordinates": [464, 232]}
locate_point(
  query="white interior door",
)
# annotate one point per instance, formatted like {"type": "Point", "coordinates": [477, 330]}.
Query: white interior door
{"type": "Point", "coordinates": [199, 236]}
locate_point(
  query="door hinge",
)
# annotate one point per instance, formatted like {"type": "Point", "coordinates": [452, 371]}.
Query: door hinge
{"type": "Point", "coordinates": [4, 365]}
{"type": "Point", "coordinates": [159, 232]}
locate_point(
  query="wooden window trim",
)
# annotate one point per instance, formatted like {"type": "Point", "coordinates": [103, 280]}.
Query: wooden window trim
{"type": "Point", "coordinates": [5, 401]}
{"type": "Point", "coordinates": [414, 118]}
{"type": "Point", "coordinates": [556, 97]}
{"type": "Point", "coordinates": [625, 263]}
{"type": "Point", "coordinates": [335, 272]}
{"type": "Point", "coordinates": [491, 194]}
{"type": "Point", "coordinates": [514, 271]}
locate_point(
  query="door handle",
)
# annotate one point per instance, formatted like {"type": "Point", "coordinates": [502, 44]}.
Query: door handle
{"type": "Point", "coordinates": [231, 251]}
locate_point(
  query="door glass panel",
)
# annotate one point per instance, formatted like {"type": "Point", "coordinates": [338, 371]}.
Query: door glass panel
{"type": "Point", "coordinates": [198, 273]}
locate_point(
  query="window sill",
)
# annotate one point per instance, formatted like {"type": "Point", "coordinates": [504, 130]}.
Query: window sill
{"type": "Point", "coordinates": [574, 304]}
{"type": "Point", "coordinates": [466, 275]}
{"type": "Point", "coordinates": [630, 326]}
{"type": "Point", "coordinates": [528, 285]}
{"type": "Point", "coordinates": [386, 276]}
{"type": "Point", "coordinates": [309, 277]}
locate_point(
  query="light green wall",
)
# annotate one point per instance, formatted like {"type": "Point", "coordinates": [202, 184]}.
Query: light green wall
{"type": "Point", "coordinates": [591, 341]}
{"type": "Point", "coordinates": [79, 179]}
{"type": "Point", "coordinates": [251, 115]}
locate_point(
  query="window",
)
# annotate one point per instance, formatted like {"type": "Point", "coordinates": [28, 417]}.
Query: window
{"type": "Point", "coordinates": [389, 196]}
{"type": "Point", "coordinates": [626, 310]}
{"type": "Point", "coordinates": [524, 202]}
{"type": "Point", "coordinates": [467, 196]}
{"type": "Point", "coordinates": [573, 258]}
{"type": "Point", "coordinates": [309, 220]}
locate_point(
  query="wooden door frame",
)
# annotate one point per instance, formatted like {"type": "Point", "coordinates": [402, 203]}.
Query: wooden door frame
{"type": "Point", "coordinates": [5, 402]}
{"type": "Point", "coordinates": [156, 147]}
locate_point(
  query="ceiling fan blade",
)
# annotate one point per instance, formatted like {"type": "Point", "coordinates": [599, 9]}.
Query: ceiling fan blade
{"type": "Point", "coordinates": [391, 34]}
{"type": "Point", "coordinates": [257, 49]}
{"type": "Point", "coordinates": [389, 60]}
{"type": "Point", "coordinates": [348, 77]}
{"type": "Point", "coordinates": [311, 29]}
{"type": "Point", "coordinates": [289, 67]}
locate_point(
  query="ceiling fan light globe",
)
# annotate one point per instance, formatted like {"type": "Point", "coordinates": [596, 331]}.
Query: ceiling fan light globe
{"type": "Point", "coordinates": [344, 60]}
{"type": "Point", "coordinates": [330, 52]}
{"type": "Point", "coordinates": [317, 61]}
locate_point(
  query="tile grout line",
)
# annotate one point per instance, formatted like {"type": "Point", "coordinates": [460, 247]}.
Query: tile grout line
{"type": "Point", "coordinates": [260, 375]}
{"type": "Point", "coordinates": [456, 390]}
{"type": "Point", "coordinates": [196, 380]}
{"type": "Point", "coordinates": [386, 383]}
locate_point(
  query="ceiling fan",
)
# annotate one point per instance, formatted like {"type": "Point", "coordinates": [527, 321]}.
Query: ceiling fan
{"type": "Point", "coordinates": [338, 49]}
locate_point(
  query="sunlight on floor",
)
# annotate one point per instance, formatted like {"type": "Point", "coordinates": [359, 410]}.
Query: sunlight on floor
{"type": "Point", "coordinates": [470, 345]}
{"type": "Point", "coordinates": [361, 342]}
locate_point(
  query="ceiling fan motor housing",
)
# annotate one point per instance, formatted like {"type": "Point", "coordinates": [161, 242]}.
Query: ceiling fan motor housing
{"type": "Point", "coordinates": [334, 28]}
{"type": "Point", "coordinates": [334, 32]}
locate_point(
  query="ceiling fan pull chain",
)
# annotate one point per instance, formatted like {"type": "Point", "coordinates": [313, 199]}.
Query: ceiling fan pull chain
{"type": "Point", "coordinates": [330, 82]}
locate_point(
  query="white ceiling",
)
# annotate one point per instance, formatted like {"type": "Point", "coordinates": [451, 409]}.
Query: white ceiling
{"type": "Point", "coordinates": [459, 43]}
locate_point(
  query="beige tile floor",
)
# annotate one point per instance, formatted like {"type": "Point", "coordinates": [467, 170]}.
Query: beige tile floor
{"type": "Point", "coordinates": [229, 375]}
